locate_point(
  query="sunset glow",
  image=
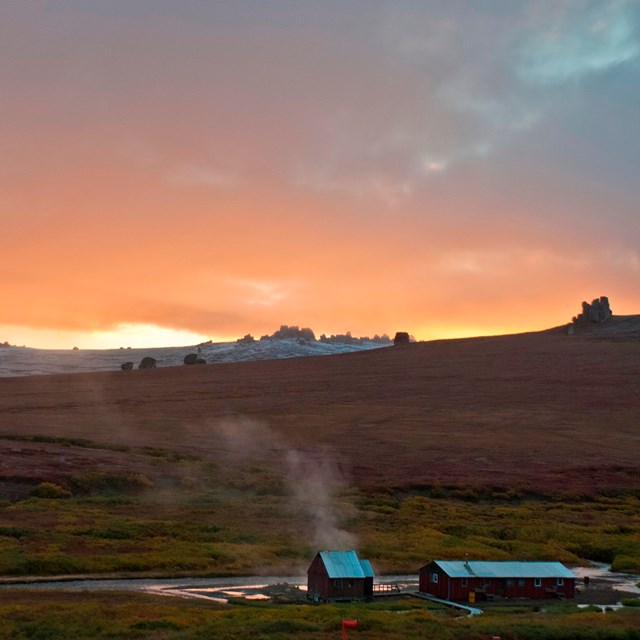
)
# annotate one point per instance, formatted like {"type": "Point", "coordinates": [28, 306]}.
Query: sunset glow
{"type": "Point", "coordinates": [121, 336]}
{"type": "Point", "coordinates": [174, 172]}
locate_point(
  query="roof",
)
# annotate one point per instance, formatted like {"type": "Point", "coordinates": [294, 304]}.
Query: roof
{"type": "Point", "coordinates": [345, 564]}
{"type": "Point", "coordinates": [503, 569]}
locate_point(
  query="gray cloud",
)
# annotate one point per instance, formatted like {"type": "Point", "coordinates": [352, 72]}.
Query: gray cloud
{"type": "Point", "coordinates": [579, 39]}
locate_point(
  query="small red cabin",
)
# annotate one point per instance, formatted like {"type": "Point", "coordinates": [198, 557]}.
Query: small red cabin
{"type": "Point", "coordinates": [339, 575]}
{"type": "Point", "coordinates": [456, 580]}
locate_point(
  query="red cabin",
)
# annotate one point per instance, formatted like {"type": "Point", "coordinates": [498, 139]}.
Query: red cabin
{"type": "Point", "coordinates": [339, 575]}
{"type": "Point", "coordinates": [456, 580]}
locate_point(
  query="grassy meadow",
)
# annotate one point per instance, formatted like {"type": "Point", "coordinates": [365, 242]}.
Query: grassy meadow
{"type": "Point", "coordinates": [251, 519]}
{"type": "Point", "coordinates": [54, 615]}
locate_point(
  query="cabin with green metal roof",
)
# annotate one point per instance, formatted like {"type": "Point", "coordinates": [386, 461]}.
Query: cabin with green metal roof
{"type": "Point", "coordinates": [472, 580]}
{"type": "Point", "coordinates": [339, 575]}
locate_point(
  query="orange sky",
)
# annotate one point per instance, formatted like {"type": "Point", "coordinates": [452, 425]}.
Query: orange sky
{"type": "Point", "coordinates": [176, 172]}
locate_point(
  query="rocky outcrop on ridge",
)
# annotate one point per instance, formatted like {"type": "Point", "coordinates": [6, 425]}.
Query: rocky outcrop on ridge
{"type": "Point", "coordinates": [597, 322]}
{"type": "Point", "coordinates": [597, 312]}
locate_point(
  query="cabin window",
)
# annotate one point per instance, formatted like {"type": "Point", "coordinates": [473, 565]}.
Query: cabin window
{"type": "Point", "coordinates": [351, 584]}
{"type": "Point", "coordinates": [463, 582]}
{"type": "Point", "coordinates": [434, 577]}
{"type": "Point", "coordinates": [487, 582]}
{"type": "Point", "coordinates": [521, 582]}
{"type": "Point", "coordinates": [509, 582]}
{"type": "Point", "coordinates": [337, 583]}
{"type": "Point", "coordinates": [560, 582]}
{"type": "Point", "coordinates": [537, 582]}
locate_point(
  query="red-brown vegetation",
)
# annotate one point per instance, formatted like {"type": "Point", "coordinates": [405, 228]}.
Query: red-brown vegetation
{"type": "Point", "coordinates": [542, 412]}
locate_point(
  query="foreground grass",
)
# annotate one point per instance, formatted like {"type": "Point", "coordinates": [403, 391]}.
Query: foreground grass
{"type": "Point", "coordinates": [47, 615]}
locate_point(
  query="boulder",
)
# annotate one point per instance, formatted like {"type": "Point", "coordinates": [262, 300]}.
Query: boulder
{"type": "Point", "coordinates": [191, 358]}
{"type": "Point", "coordinates": [126, 366]}
{"type": "Point", "coordinates": [147, 363]}
{"type": "Point", "coordinates": [401, 339]}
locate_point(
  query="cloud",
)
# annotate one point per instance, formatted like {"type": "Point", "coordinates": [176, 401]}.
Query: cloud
{"type": "Point", "coordinates": [226, 167]}
{"type": "Point", "coordinates": [581, 39]}
{"type": "Point", "coordinates": [262, 293]}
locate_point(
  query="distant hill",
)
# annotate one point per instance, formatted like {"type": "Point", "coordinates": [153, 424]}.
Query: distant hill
{"type": "Point", "coordinates": [541, 412]}
{"type": "Point", "coordinates": [21, 361]}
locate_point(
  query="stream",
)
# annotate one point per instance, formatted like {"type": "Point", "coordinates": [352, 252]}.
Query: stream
{"type": "Point", "coordinates": [619, 581]}
{"type": "Point", "coordinates": [215, 589]}
{"type": "Point", "coordinates": [260, 587]}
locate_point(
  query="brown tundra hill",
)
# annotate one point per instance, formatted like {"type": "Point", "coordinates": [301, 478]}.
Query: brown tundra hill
{"type": "Point", "coordinates": [543, 412]}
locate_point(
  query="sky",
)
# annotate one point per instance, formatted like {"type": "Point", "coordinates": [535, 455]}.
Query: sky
{"type": "Point", "coordinates": [173, 171]}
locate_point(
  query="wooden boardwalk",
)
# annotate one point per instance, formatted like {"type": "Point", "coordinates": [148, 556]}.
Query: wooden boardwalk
{"type": "Point", "coordinates": [471, 611]}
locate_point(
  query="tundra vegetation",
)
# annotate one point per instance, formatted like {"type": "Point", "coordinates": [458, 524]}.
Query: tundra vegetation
{"type": "Point", "coordinates": [50, 615]}
{"type": "Point", "coordinates": [206, 519]}
{"type": "Point", "coordinates": [499, 448]}
{"type": "Point", "coordinates": [245, 519]}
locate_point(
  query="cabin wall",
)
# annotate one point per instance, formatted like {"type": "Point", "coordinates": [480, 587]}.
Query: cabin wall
{"type": "Point", "coordinates": [317, 579]}
{"type": "Point", "coordinates": [321, 586]}
{"type": "Point", "coordinates": [434, 581]}
{"type": "Point", "coordinates": [346, 589]}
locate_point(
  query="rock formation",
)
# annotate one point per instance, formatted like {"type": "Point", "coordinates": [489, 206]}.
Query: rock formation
{"type": "Point", "coordinates": [147, 363]}
{"type": "Point", "coordinates": [597, 312]}
{"type": "Point", "coordinates": [126, 366]}
{"type": "Point", "coordinates": [401, 339]}
{"type": "Point", "coordinates": [194, 358]}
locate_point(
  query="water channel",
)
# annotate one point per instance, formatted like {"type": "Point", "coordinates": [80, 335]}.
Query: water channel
{"type": "Point", "coordinates": [260, 587]}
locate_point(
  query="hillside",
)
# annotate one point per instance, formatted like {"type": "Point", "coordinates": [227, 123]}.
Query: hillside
{"type": "Point", "coordinates": [23, 361]}
{"type": "Point", "coordinates": [618, 328]}
{"type": "Point", "coordinates": [544, 412]}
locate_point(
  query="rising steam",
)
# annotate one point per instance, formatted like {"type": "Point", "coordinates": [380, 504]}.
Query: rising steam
{"type": "Point", "coordinates": [313, 480]}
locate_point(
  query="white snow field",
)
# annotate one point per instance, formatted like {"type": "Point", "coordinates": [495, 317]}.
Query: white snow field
{"type": "Point", "coordinates": [24, 361]}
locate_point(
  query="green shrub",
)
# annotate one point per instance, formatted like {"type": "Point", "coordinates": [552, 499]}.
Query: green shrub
{"type": "Point", "coordinates": [47, 565]}
{"type": "Point", "coordinates": [625, 563]}
{"type": "Point", "coordinates": [631, 602]}
{"type": "Point", "coordinates": [107, 483]}
{"type": "Point", "coordinates": [13, 532]}
{"type": "Point", "coordinates": [120, 531]}
{"type": "Point", "coordinates": [286, 626]}
{"type": "Point", "coordinates": [50, 490]}
{"type": "Point", "coordinates": [156, 625]}
{"type": "Point", "coordinates": [593, 551]}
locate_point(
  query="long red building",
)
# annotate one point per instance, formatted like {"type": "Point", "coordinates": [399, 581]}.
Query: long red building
{"type": "Point", "coordinates": [456, 580]}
